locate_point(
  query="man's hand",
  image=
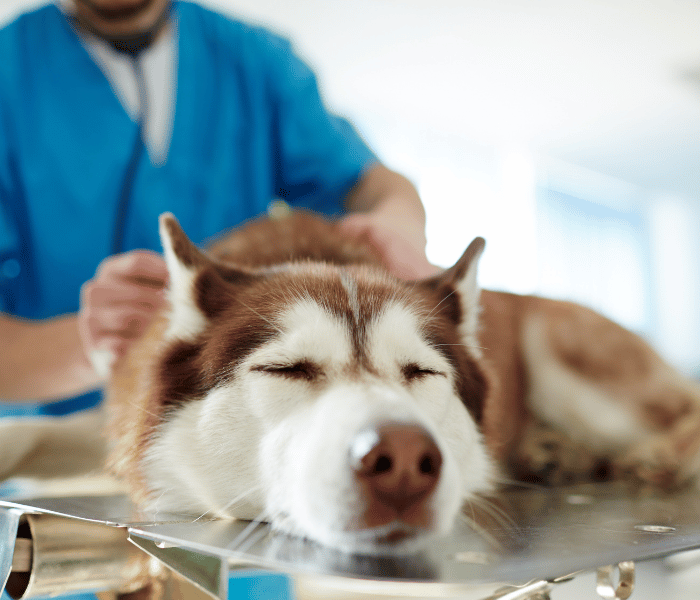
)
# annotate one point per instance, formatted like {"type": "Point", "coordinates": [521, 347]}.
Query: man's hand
{"type": "Point", "coordinates": [119, 303]}
{"type": "Point", "coordinates": [401, 244]}
{"type": "Point", "coordinates": [386, 207]}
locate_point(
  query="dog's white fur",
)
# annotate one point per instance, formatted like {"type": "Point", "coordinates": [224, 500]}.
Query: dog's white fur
{"type": "Point", "coordinates": [571, 403]}
{"type": "Point", "coordinates": [258, 444]}
{"type": "Point", "coordinates": [269, 447]}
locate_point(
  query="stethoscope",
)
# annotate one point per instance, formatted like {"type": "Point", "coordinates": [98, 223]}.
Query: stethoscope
{"type": "Point", "coordinates": [129, 177]}
{"type": "Point", "coordinates": [133, 47]}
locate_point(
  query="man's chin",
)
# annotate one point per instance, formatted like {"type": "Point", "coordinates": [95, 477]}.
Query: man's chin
{"type": "Point", "coordinates": [114, 14]}
{"type": "Point", "coordinates": [138, 19]}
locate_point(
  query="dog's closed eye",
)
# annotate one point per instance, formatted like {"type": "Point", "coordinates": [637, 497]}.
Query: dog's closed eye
{"type": "Point", "coordinates": [302, 369]}
{"type": "Point", "coordinates": [414, 371]}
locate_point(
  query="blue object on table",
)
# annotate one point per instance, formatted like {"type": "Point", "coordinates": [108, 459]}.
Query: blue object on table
{"type": "Point", "coordinates": [259, 585]}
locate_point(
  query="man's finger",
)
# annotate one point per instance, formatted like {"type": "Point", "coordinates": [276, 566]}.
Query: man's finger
{"type": "Point", "coordinates": [95, 293]}
{"type": "Point", "coordinates": [141, 266]}
{"type": "Point", "coordinates": [127, 322]}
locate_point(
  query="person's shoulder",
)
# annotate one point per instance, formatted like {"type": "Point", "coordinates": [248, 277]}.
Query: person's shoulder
{"type": "Point", "coordinates": [24, 31]}
{"type": "Point", "coordinates": [231, 32]}
{"type": "Point", "coordinates": [28, 28]}
{"type": "Point", "coordinates": [29, 21]}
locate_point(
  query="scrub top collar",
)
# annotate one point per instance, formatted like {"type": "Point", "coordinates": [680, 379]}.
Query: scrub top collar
{"type": "Point", "coordinates": [159, 67]}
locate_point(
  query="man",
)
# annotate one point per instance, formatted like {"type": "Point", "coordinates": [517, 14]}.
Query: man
{"type": "Point", "coordinates": [113, 111]}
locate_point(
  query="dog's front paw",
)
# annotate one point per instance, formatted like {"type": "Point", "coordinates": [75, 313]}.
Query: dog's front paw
{"type": "Point", "coordinates": [547, 456]}
{"type": "Point", "coordinates": [653, 462]}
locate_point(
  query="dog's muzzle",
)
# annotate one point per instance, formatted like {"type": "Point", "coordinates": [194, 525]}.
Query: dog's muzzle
{"type": "Point", "coordinates": [397, 467]}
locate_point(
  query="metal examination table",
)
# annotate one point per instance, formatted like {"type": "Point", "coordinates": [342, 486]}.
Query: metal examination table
{"type": "Point", "coordinates": [527, 545]}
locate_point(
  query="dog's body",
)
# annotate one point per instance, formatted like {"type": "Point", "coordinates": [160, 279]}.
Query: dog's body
{"type": "Point", "coordinates": [296, 381]}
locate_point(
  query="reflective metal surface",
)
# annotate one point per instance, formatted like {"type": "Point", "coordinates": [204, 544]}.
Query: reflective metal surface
{"type": "Point", "coordinates": [22, 556]}
{"type": "Point", "coordinates": [114, 510]}
{"type": "Point", "coordinates": [607, 589]}
{"type": "Point", "coordinates": [208, 573]}
{"type": "Point", "coordinates": [70, 555]}
{"type": "Point", "coordinates": [523, 537]}
{"type": "Point", "coordinates": [9, 523]}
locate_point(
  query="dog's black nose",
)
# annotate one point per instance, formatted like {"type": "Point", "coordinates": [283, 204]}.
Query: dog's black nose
{"type": "Point", "coordinates": [398, 466]}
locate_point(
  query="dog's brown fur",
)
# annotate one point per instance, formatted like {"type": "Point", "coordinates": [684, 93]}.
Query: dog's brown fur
{"type": "Point", "coordinates": [592, 348]}
{"type": "Point", "coordinates": [134, 407]}
{"type": "Point", "coordinates": [154, 375]}
{"type": "Point", "coordinates": [615, 360]}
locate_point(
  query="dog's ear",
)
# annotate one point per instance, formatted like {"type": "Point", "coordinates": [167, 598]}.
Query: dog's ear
{"type": "Point", "coordinates": [185, 263]}
{"type": "Point", "coordinates": [199, 288]}
{"type": "Point", "coordinates": [457, 286]}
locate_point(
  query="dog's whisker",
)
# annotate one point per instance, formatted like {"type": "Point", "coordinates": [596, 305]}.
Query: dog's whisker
{"type": "Point", "coordinates": [251, 309]}
{"type": "Point", "coordinates": [499, 515]}
{"type": "Point", "coordinates": [247, 531]}
{"type": "Point", "coordinates": [505, 481]}
{"type": "Point", "coordinates": [471, 507]}
{"type": "Point", "coordinates": [240, 497]}
{"type": "Point", "coordinates": [156, 509]}
{"type": "Point", "coordinates": [221, 509]}
{"type": "Point", "coordinates": [481, 531]}
{"type": "Point", "coordinates": [143, 410]}
{"type": "Point", "coordinates": [430, 314]}
{"type": "Point", "coordinates": [253, 539]}
{"type": "Point", "coordinates": [470, 346]}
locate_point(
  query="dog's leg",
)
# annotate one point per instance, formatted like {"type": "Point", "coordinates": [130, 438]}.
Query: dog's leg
{"type": "Point", "coordinates": [548, 456]}
{"type": "Point", "coordinates": [569, 399]}
{"type": "Point", "coordinates": [671, 456]}
{"type": "Point", "coordinates": [606, 388]}
{"type": "Point", "coordinates": [52, 446]}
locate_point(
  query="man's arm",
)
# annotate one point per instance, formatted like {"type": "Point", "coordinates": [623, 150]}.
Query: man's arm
{"type": "Point", "coordinates": [48, 360]}
{"type": "Point", "coordinates": [386, 206]}
{"type": "Point", "coordinates": [43, 360]}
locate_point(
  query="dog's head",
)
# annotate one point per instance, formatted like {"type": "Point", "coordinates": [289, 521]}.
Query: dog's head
{"type": "Point", "coordinates": [338, 403]}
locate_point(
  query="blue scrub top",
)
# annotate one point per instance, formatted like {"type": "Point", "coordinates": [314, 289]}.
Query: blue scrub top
{"type": "Point", "coordinates": [249, 126]}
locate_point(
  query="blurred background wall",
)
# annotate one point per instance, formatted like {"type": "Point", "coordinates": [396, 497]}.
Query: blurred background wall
{"type": "Point", "coordinates": [565, 133]}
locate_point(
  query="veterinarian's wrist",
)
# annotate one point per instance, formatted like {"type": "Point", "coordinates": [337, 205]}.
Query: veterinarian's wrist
{"type": "Point", "coordinates": [43, 360]}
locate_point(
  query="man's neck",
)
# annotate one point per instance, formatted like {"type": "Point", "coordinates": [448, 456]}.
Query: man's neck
{"type": "Point", "coordinates": [130, 44]}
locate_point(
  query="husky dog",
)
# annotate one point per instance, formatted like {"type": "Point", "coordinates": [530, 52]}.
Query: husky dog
{"type": "Point", "coordinates": [294, 380]}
